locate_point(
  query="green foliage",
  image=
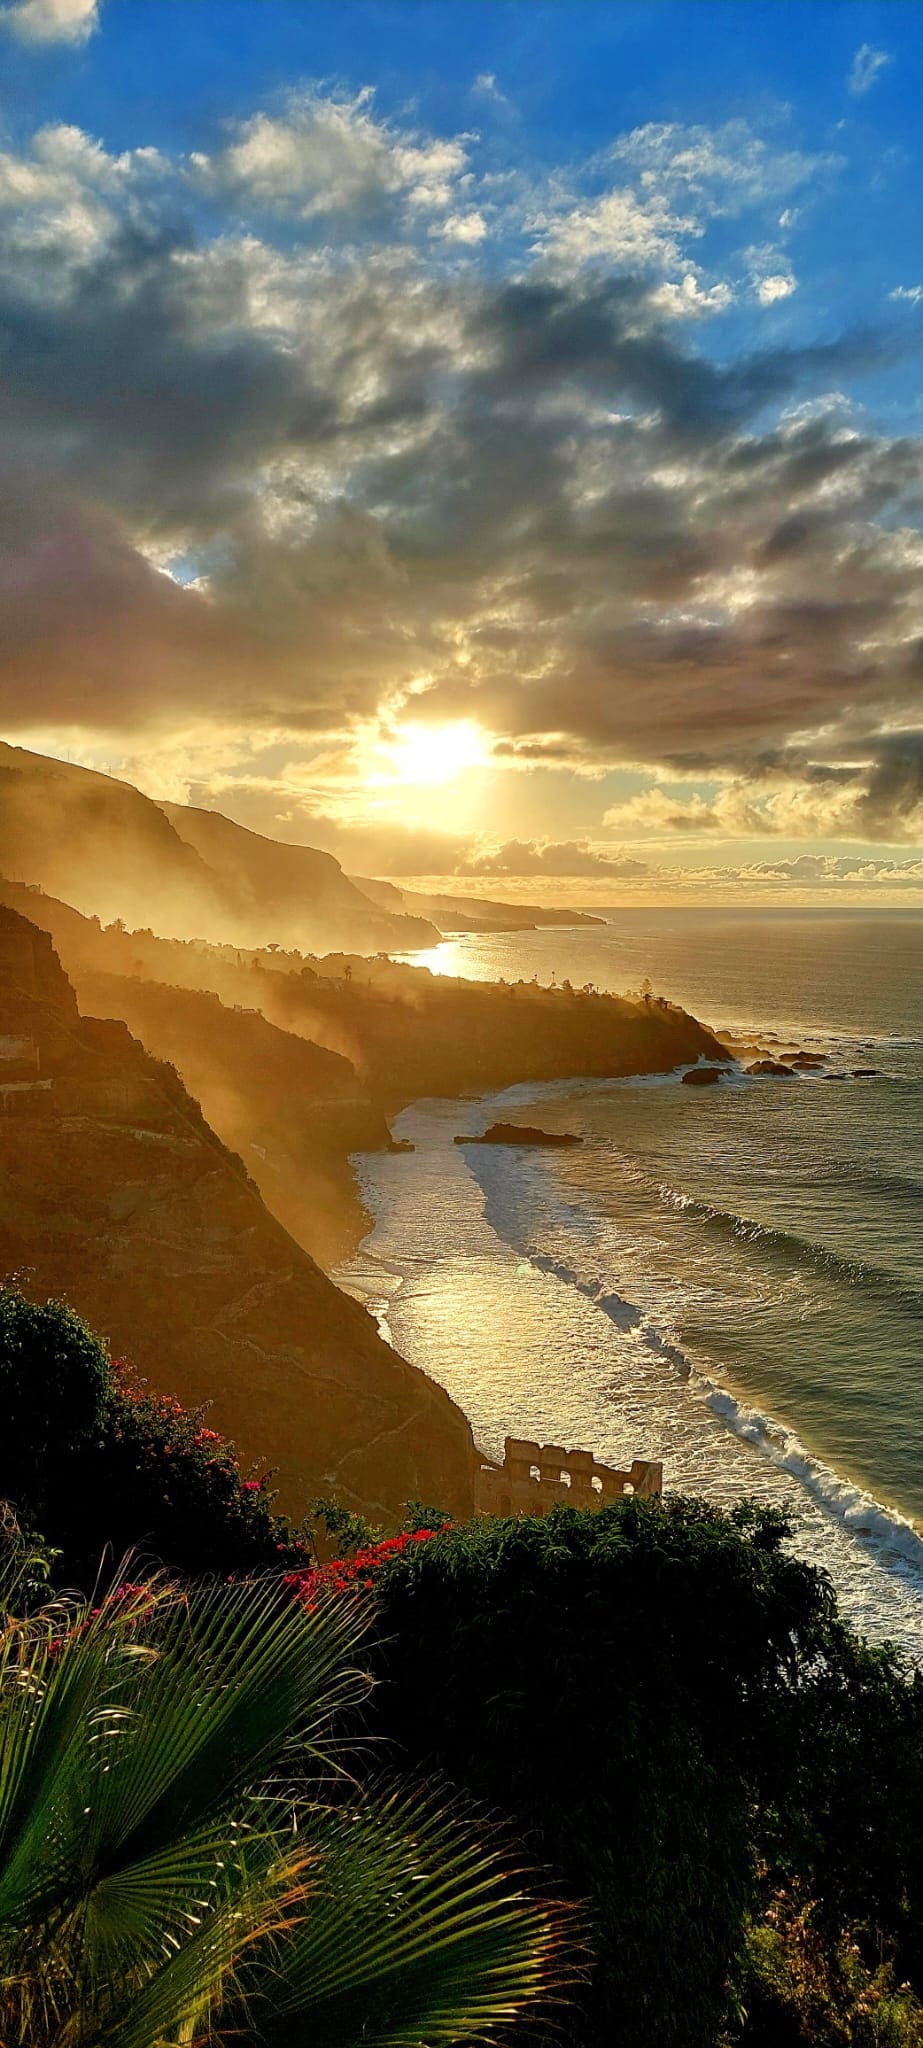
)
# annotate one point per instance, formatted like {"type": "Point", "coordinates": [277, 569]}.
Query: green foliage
{"type": "Point", "coordinates": [332, 1530]}
{"type": "Point", "coordinates": [55, 1383]}
{"type": "Point", "coordinates": [848, 1820]}
{"type": "Point", "coordinates": [336, 1530]}
{"type": "Point", "coordinates": [624, 1685]}
{"type": "Point", "coordinates": [417, 1515]}
{"type": "Point", "coordinates": [800, 1988]}
{"type": "Point", "coordinates": [27, 1564]}
{"type": "Point", "coordinates": [102, 1464]}
{"type": "Point", "coordinates": [179, 1859]}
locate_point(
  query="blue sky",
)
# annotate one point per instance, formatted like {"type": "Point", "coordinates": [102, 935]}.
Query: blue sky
{"type": "Point", "coordinates": [480, 438]}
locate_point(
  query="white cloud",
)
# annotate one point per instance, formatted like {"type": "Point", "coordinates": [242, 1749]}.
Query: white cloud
{"type": "Point", "coordinates": [779, 286]}
{"type": "Point", "coordinates": [771, 276]}
{"type": "Point", "coordinates": [912, 293]}
{"type": "Point", "coordinates": [689, 296]}
{"type": "Point", "coordinates": [51, 21]}
{"type": "Point", "coordinates": [330, 155]}
{"type": "Point", "coordinates": [467, 228]}
{"type": "Point", "coordinates": [63, 194]}
{"type": "Point", "coordinates": [724, 169]}
{"type": "Point", "coordinates": [485, 87]}
{"type": "Point", "coordinates": [619, 227]}
{"type": "Point", "coordinates": [865, 68]}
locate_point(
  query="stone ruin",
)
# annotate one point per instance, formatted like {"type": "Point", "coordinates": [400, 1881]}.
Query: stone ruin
{"type": "Point", "coordinates": [534, 1478]}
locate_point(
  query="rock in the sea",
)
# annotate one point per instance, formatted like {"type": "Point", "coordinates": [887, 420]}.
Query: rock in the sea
{"type": "Point", "coordinates": [772, 1067]}
{"type": "Point", "coordinates": [807, 1059]}
{"type": "Point", "coordinates": [520, 1134]}
{"type": "Point", "coordinates": [864, 1073]}
{"type": "Point", "coordinates": [702, 1077]}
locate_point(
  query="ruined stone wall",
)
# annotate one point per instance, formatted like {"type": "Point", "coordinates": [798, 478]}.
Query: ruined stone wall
{"type": "Point", "coordinates": [535, 1477]}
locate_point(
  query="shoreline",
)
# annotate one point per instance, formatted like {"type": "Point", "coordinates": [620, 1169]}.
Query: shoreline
{"type": "Point", "coordinates": [873, 1549]}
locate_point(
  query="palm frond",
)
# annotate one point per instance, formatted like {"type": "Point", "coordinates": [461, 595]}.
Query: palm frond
{"type": "Point", "coordinates": [414, 1933]}
{"type": "Point", "coordinates": [167, 1873]}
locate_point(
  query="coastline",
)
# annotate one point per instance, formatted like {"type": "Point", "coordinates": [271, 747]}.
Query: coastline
{"type": "Point", "coordinates": [575, 1364]}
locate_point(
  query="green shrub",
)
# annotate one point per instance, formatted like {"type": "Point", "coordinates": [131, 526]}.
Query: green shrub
{"type": "Point", "coordinates": [802, 1988]}
{"type": "Point", "coordinates": [101, 1464]}
{"type": "Point", "coordinates": [606, 1679]}
{"type": "Point", "coordinates": [55, 1384]}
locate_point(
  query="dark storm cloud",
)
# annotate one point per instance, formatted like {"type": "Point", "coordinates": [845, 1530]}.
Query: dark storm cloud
{"type": "Point", "coordinates": [532, 500]}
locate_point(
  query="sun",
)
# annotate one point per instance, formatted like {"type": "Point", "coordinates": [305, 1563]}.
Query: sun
{"type": "Point", "coordinates": [423, 756]}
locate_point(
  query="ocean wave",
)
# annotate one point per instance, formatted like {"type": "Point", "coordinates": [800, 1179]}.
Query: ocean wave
{"type": "Point", "coordinates": [893, 1539]}
{"type": "Point", "coordinates": [787, 1244]}
{"type": "Point", "coordinates": [889, 1534]}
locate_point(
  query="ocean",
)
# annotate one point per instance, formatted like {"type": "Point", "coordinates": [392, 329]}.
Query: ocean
{"type": "Point", "coordinates": [727, 1278]}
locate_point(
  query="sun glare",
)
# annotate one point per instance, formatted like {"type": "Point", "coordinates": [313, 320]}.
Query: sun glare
{"type": "Point", "coordinates": [421, 756]}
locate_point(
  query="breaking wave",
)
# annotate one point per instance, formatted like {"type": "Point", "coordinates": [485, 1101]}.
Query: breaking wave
{"type": "Point", "coordinates": [892, 1538]}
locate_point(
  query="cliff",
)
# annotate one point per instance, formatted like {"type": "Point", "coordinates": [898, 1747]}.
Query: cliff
{"type": "Point", "coordinates": [294, 1110]}
{"type": "Point", "coordinates": [412, 1033]}
{"type": "Point", "coordinates": [284, 891]}
{"type": "Point", "coordinates": [404, 1031]}
{"type": "Point", "coordinates": [103, 846]}
{"type": "Point", "coordinates": [116, 1194]}
{"type": "Point", "coordinates": [301, 1061]}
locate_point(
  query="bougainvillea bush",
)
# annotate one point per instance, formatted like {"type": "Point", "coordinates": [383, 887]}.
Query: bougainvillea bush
{"type": "Point", "coordinates": [101, 1464]}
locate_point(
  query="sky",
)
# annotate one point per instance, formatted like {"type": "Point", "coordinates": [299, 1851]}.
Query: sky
{"type": "Point", "coordinates": [478, 437]}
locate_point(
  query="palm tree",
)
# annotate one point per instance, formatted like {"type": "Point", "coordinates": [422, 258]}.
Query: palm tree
{"type": "Point", "coordinates": [186, 1858]}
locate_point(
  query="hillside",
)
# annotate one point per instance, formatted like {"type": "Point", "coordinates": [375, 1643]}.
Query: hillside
{"type": "Point", "coordinates": [294, 1110]}
{"type": "Point", "coordinates": [411, 1033]}
{"type": "Point", "coordinates": [116, 1194]}
{"type": "Point", "coordinates": [405, 1031]}
{"type": "Point", "coordinates": [282, 889]}
{"type": "Point", "coordinates": [103, 846]}
{"type": "Point", "coordinates": [473, 913]}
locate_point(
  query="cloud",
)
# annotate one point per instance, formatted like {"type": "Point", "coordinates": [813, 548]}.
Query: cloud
{"type": "Point", "coordinates": [485, 87]}
{"type": "Point", "coordinates": [688, 296]}
{"type": "Point", "coordinates": [878, 798]}
{"type": "Point", "coordinates": [567, 857]}
{"type": "Point", "coordinates": [268, 484]}
{"type": "Point", "coordinates": [467, 228]}
{"type": "Point", "coordinates": [51, 21]}
{"type": "Point", "coordinates": [867, 66]}
{"type": "Point", "coordinates": [779, 285]}
{"type": "Point", "coordinates": [722, 170]}
{"type": "Point", "coordinates": [324, 155]}
{"type": "Point", "coordinates": [616, 228]}
{"type": "Point", "coordinates": [913, 293]}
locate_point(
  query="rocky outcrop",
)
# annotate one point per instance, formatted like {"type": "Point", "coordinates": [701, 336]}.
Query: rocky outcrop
{"type": "Point", "coordinates": [701, 1077]}
{"type": "Point", "coordinates": [116, 1194]}
{"type": "Point", "coordinates": [410, 1033]}
{"type": "Point", "coordinates": [520, 1134]}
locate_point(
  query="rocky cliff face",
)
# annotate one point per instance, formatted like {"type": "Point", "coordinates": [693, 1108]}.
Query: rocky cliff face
{"type": "Point", "coordinates": [116, 1194]}
{"type": "Point", "coordinates": [293, 1110]}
